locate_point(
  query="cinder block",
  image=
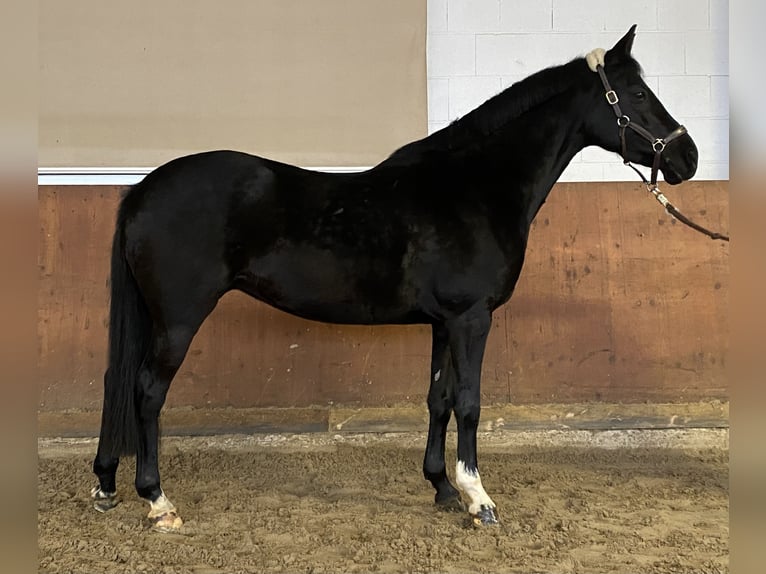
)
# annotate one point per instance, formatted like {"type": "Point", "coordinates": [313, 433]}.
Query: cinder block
{"type": "Point", "coordinates": [719, 14]}
{"type": "Point", "coordinates": [719, 96]}
{"type": "Point", "coordinates": [436, 126]}
{"type": "Point", "coordinates": [660, 53]}
{"type": "Point", "coordinates": [711, 171]}
{"type": "Point", "coordinates": [451, 55]}
{"type": "Point", "coordinates": [687, 96]}
{"type": "Point", "coordinates": [595, 154]}
{"type": "Point", "coordinates": [438, 99]}
{"type": "Point", "coordinates": [526, 15]}
{"type": "Point", "coordinates": [519, 55]}
{"type": "Point", "coordinates": [580, 16]}
{"type": "Point", "coordinates": [711, 137]}
{"type": "Point", "coordinates": [505, 54]}
{"type": "Point", "coordinates": [578, 171]}
{"type": "Point", "coordinates": [473, 16]}
{"type": "Point", "coordinates": [683, 15]}
{"type": "Point", "coordinates": [466, 94]}
{"type": "Point", "coordinates": [620, 16]}
{"type": "Point", "coordinates": [707, 53]}
{"type": "Point", "coordinates": [437, 15]}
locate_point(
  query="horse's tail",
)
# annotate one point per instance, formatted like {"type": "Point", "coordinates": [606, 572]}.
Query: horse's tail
{"type": "Point", "coordinates": [130, 328]}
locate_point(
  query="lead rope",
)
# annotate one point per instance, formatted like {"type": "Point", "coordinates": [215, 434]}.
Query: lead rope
{"type": "Point", "coordinates": [671, 209]}
{"type": "Point", "coordinates": [595, 61]}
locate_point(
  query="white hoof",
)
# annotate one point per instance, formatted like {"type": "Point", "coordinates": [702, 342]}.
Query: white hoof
{"type": "Point", "coordinates": [163, 515]}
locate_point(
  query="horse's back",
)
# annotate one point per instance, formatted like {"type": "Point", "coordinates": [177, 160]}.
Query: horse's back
{"type": "Point", "coordinates": [315, 244]}
{"type": "Point", "coordinates": [375, 247]}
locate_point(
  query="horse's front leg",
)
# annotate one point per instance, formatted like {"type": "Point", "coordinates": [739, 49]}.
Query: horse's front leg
{"type": "Point", "coordinates": [468, 338]}
{"type": "Point", "coordinates": [441, 400]}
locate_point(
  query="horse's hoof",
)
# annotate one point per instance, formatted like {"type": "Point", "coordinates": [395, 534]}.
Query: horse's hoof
{"type": "Point", "coordinates": [486, 516]}
{"type": "Point", "coordinates": [168, 522]}
{"type": "Point", "coordinates": [103, 501]}
{"type": "Point", "coordinates": [452, 503]}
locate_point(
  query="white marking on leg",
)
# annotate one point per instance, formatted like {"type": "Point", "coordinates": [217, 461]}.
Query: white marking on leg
{"type": "Point", "coordinates": [161, 506]}
{"type": "Point", "coordinates": [437, 376]}
{"type": "Point", "coordinates": [164, 516]}
{"type": "Point", "coordinates": [103, 501]}
{"type": "Point", "coordinates": [97, 494]}
{"type": "Point", "coordinates": [469, 482]}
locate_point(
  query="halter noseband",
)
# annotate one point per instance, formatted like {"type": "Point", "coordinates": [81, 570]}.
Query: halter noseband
{"type": "Point", "coordinates": [624, 122]}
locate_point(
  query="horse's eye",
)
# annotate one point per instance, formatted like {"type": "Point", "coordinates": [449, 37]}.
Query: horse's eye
{"type": "Point", "coordinates": [640, 96]}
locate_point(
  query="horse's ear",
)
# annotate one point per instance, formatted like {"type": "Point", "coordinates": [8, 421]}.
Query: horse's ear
{"type": "Point", "coordinates": [623, 47]}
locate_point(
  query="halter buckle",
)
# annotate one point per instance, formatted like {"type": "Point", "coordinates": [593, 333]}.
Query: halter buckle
{"type": "Point", "coordinates": [611, 97]}
{"type": "Point", "coordinates": [659, 145]}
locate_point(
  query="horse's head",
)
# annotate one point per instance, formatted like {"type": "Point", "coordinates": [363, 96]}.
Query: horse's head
{"type": "Point", "coordinates": [631, 121]}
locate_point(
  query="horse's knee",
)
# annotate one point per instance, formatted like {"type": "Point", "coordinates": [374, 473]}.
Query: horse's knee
{"type": "Point", "coordinates": [439, 409]}
{"type": "Point", "coordinates": [433, 465]}
{"type": "Point", "coordinates": [467, 412]}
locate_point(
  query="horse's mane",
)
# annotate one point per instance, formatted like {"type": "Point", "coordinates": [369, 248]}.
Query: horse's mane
{"type": "Point", "coordinates": [496, 112]}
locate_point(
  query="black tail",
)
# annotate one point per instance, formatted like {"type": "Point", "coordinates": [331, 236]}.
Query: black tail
{"type": "Point", "coordinates": [130, 330]}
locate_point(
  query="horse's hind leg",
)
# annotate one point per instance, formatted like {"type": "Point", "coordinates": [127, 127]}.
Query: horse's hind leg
{"type": "Point", "coordinates": [168, 349]}
{"type": "Point", "coordinates": [169, 346]}
{"type": "Point", "coordinates": [441, 399]}
{"type": "Point", "coordinates": [105, 468]}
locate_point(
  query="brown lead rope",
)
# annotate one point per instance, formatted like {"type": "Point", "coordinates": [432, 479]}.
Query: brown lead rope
{"type": "Point", "coordinates": [658, 145]}
{"type": "Point", "coordinates": [673, 211]}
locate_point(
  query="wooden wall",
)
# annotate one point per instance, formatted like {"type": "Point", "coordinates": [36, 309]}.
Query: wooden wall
{"type": "Point", "coordinates": [616, 303]}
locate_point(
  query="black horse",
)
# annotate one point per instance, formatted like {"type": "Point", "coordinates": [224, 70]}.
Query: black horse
{"type": "Point", "coordinates": [435, 234]}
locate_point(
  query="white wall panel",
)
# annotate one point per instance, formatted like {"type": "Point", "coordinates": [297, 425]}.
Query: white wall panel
{"type": "Point", "coordinates": [681, 44]}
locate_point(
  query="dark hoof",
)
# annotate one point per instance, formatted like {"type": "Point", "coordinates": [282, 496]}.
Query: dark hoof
{"type": "Point", "coordinates": [486, 516]}
{"type": "Point", "coordinates": [103, 501]}
{"type": "Point", "coordinates": [450, 503]}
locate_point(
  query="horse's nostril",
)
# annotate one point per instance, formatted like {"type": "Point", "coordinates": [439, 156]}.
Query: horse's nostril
{"type": "Point", "coordinates": [691, 156]}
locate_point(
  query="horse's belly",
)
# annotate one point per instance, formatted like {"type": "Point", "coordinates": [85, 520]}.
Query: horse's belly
{"type": "Point", "coordinates": [317, 285]}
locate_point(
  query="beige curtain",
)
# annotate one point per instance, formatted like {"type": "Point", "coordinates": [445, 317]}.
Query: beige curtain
{"type": "Point", "coordinates": [322, 83]}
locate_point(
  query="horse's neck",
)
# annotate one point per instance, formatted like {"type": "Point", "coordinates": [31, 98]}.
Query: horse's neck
{"type": "Point", "coordinates": [557, 138]}
{"type": "Point", "coordinates": [557, 154]}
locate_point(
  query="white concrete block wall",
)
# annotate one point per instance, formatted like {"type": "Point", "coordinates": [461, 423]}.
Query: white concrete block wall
{"type": "Point", "coordinates": [478, 47]}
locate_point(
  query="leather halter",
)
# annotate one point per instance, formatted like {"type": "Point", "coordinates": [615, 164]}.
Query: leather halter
{"type": "Point", "coordinates": [658, 145]}
{"type": "Point", "coordinates": [624, 122]}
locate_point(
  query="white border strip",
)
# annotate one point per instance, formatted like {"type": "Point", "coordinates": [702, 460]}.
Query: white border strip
{"type": "Point", "coordinates": [129, 175]}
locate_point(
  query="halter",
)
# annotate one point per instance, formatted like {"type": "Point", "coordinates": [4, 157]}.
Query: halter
{"type": "Point", "coordinates": [624, 122]}
{"type": "Point", "coordinates": [658, 145]}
